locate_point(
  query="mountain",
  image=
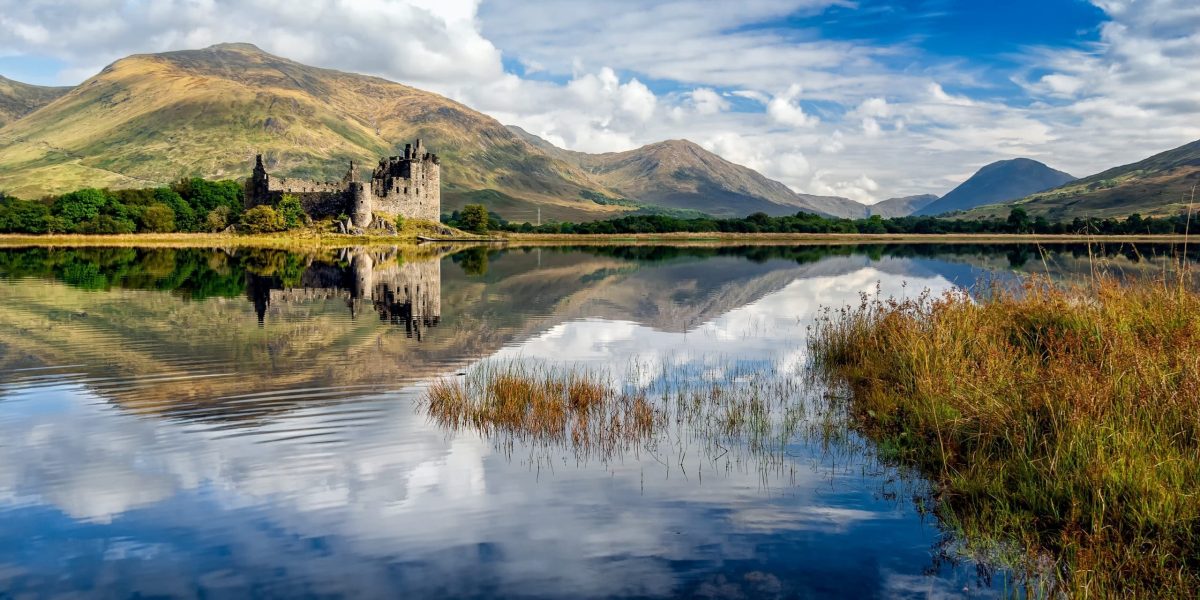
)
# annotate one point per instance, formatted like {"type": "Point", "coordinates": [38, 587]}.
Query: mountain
{"type": "Point", "coordinates": [1161, 185]}
{"type": "Point", "coordinates": [901, 207]}
{"type": "Point", "coordinates": [682, 175]}
{"type": "Point", "coordinates": [150, 119]}
{"type": "Point", "coordinates": [19, 99]}
{"type": "Point", "coordinates": [998, 182]}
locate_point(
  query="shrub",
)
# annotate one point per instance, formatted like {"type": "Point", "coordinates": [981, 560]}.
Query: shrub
{"type": "Point", "coordinates": [106, 225]}
{"type": "Point", "coordinates": [217, 219]}
{"type": "Point", "coordinates": [158, 218]}
{"type": "Point", "coordinates": [262, 219]}
{"type": "Point", "coordinates": [399, 222]}
{"type": "Point", "coordinates": [474, 217]}
{"type": "Point", "coordinates": [292, 212]}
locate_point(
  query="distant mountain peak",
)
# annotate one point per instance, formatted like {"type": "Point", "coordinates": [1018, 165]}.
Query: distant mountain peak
{"type": "Point", "coordinates": [901, 207]}
{"type": "Point", "coordinates": [681, 174]}
{"type": "Point", "coordinates": [238, 46]}
{"type": "Point", "coordinates": [1160, 185]}
{"type": "Point", "coordinates": [1000, 181]}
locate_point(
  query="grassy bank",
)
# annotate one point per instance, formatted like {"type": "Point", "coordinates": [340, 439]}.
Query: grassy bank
{"type": "Point", "coordinates": [1063, 421]}
{"type": "Point", "coordinates": [298, 239]}
{"type": "Point", "coordinates": [311, 239]}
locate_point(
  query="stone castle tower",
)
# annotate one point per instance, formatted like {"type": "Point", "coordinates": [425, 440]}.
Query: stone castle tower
{"type": "Point", "coordinates": [408, 185]}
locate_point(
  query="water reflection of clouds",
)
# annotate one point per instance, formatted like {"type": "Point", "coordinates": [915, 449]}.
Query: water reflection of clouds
{"type": "Point", "coordinates": [770, 330]}
{"type": "Point", "coordinates": [388, 502]}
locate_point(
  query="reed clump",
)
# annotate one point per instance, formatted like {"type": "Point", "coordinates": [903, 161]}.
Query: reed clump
{"type": "Point", "coordinates": [544, 405]}
{"type": "Point", "coordinates": [739, 418]}
{"type": "Point", "coordinates": [1061, 420]}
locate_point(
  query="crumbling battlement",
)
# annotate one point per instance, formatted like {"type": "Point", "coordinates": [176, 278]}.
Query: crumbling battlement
{"type": "Point", "coordinates": [408, 185]}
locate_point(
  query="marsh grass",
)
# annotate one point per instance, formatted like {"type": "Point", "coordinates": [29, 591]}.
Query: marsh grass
{"type": "Point", "coordinates": [743, 418]}
{"type": "Point", "coordinates": [1063, 421]}
{"type": "Point", "coordinates": [543, 406]}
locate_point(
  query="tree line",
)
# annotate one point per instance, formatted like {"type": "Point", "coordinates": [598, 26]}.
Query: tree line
{"type": "Point", "coordinates": [199, 205]}
{"type": "Point", "coordinates": [475, 218]}
{"type": "Point", "coordinates": [190, 205]}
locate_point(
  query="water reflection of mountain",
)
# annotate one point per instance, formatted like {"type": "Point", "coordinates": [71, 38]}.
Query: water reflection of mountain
{"type": "Point", "coordinates": [237, 335]}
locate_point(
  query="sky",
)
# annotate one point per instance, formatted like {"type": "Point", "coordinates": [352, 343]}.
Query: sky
{"type": "Point", "coordinates": [862, 99]}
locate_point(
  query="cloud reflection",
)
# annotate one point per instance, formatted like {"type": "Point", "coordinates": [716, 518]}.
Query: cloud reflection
{"type": "Point", "coordinates": [369, 498]}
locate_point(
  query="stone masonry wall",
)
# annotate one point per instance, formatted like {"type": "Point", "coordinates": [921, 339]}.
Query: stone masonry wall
{"type": "Point", "coordinates": [409, 186]}
{"type": "Point", "coordinates": [418, 197]}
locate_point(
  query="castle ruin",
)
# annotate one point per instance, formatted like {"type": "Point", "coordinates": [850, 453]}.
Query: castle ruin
{"type": "Point", "coordinates": [408, 185]}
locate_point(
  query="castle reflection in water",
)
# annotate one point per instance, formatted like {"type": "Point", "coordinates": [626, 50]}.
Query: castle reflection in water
{"type": "Point", "coordinates": [399, 292]}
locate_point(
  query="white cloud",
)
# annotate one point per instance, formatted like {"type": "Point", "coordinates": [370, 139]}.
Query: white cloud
{"type": "Point", "coordinates": [708, 102]}
{"type": "Point", "coordinates": [871, 127]}
{"type": "Point", "coordinates": [599, 66]}
{"type": "Point", "coordinates": [785, 109]}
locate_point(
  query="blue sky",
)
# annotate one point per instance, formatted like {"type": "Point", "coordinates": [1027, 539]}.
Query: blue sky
{"type": "Point", "coordinates": [862, 99]}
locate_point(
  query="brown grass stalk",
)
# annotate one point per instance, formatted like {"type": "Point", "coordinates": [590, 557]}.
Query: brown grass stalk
{"type": "Point", "coordinates": [1061, 419]}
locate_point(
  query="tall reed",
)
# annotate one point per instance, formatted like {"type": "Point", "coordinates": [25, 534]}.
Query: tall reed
{"type": "Point", "coordinates": [1064, 420]}
{"type": "Point", "coordinates": [742, 417]}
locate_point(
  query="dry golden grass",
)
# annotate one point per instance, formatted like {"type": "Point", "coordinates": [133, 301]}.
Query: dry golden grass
{"type": "Point", "coordinates": [299, 239]}
{"type": "Point", "coordinates": [1062, 420]}
{"type": "Point", "coordinates": [744, 418]}
{"type": "Point", "coordinates": [567, 408]}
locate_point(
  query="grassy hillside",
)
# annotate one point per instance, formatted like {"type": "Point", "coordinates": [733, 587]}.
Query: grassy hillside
{"type": "Point", "coordinates": [19, 99]}
{"type": "Point", "coordinates": [1158, 186]}
{"type": "Point", "coordinates": [150, 119]}
{"type": "Point", "coordinates": [682, 175]}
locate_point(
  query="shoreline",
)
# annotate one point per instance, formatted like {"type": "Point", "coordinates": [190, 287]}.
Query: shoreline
{"type": "Point", "coordinates": [208, 240]}
{"type": "Point", "coordinates": [560, 239]}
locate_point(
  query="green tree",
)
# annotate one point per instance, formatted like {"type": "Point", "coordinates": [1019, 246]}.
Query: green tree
{"type": "Point", "coordinates": [106, 225]}
{"type": "Point", "coordinates": [262, 219]}
{"type": "Point", "coordinates": [874, 224]}
{"type": "Point", "coordinates": [158, 218]}
{"type": "Point", "coordinates": [22, 216]}
{"type": "Point", "coordinates": [292, 212]}
{"type": "Point", "coordinates": [1018, 220]}
{"type": "Point", "coordinates": [205, 196]}
{"type": "Point", "coordinates": [79, 206]}
{"type": "Point", "coordinates": [185, 216]}
{"type": "Point", "coordinates": [474, 217]}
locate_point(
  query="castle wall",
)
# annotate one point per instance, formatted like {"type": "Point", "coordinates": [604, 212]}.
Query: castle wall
{"type": "Point", "coordinates": [319, 199]}
{"type": "Point", "coordinates": [418, 197]}
{"type": "Point", "coordinates": [409, 186]}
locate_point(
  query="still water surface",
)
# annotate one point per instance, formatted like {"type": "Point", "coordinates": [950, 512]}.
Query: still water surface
{"type": "Point", "coordinates": [212, 423]}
